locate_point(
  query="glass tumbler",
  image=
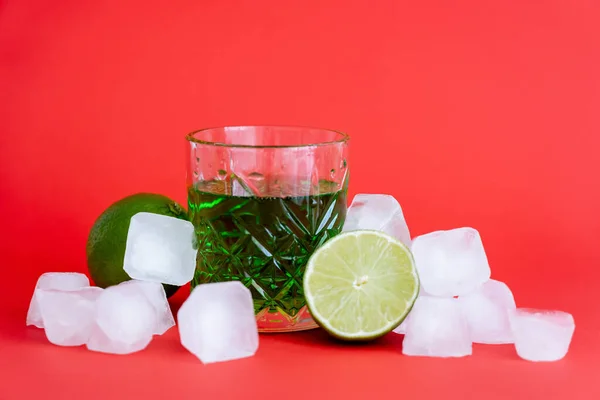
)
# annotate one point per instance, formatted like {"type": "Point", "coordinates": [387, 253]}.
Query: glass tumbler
{"type": "Point", "coordinates": [262, 199]}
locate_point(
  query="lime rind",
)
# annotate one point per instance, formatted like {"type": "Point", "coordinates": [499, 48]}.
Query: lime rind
{"type": "Point", "coordinates": [361, 284]}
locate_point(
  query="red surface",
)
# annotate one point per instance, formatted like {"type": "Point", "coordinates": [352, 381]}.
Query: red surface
{"type": "Point", "coordinates": [482, 114]}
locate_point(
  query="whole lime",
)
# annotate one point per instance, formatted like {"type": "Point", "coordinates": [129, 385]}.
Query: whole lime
{"type": "Point", "coordinates": [106, 243]}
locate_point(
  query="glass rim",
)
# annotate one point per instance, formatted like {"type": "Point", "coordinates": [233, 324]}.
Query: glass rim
{"type": "Point", "coordinates": [343, 137]}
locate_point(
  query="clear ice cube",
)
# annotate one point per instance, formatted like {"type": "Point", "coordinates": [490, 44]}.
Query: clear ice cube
{"type": "Point", "coordinates": [436, 328]}
{"type": "Point", "coordinates": [541, 335]}
{"type": "Point", "coordinates": [451, 263]}
{"type": "Point", "coordinates": [124, 322]}
{"type": "Point", "coordinates": [53, 280]}
{"type": "Point", "coordinates": [155, 294]}
{"type": "Point", "coordinates": [160, 249]}
{"type": "Point", "coordinates": [486, 311]}
{"type": "Point", "coordinates": [379, 212]}
{"type": "Point", "coordinates": [217, 323]}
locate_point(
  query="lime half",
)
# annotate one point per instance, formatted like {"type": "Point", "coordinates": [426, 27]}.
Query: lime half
{"type": "Point", "coordinates": [361, 284]}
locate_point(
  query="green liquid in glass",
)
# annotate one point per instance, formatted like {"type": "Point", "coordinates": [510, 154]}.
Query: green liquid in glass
{"type": "Point", "coordinates": [264, 242]}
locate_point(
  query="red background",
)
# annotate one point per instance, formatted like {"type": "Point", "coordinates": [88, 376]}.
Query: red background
{"type": "Point", "coordinates": [477, 113]}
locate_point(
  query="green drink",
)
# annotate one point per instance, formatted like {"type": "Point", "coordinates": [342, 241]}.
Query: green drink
{"type": "Point", "coordinates": [265, 243]}
{"type": "Point", "coordinates": [262, 199]}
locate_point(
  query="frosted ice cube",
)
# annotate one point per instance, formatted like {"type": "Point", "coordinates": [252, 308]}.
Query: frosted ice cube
{"type": "Point", "coordinates": [217, 323]}
{"type": "Point", "coordinates": [160, 249]}
{"type": "Point", "coordinates": [451, 263]}
{"type": "Point", "coordinates": [53, 280]}
{"type": "Point", "coordinates": [486, 311]}
{"type": "Point", "coordinates": [541, 335]}
{"type": "Point", "coordinates": [155, 294]}
{"type": "Point", "coordinates": [436, 328]}
{"type": "Point", "coordinates": [401, 329]}
{"type": "Point", "coordinates": [379, 212]}
{"type": "Point", "coordinates": [68, 316]}
{"type": "Point", "coordinates": [125, 321]}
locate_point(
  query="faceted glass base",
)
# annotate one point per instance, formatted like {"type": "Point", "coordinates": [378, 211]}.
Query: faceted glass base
{"type": "Point", "coordinates": [279, 321]}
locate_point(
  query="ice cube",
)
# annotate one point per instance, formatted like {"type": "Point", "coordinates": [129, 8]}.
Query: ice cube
{"type": "Point", "coordinates": [53, 280]}
{"type": "Point", "coordinates": [160, 249]}
{"type": "Point", "coordinates": [68, 316]}
{"type": "Point", "coordinates": [379, 212]}
{"type": "Point", "coordinates": [451, 263]}
{"type": "Point", "coordinates": [217, 323]}
{"type": "Point", "coordinates": [486, 311]}
{"type": "Point", "coordinates": [125, 321]}
{"type": "Point", "coordinates": [155, 294]}
{"type": "Point", "coordinates": [436, 328]}
{"type": "Point", "coordinates": [541, 335]}
{"type": "Point", "coordinates": [401, 329]}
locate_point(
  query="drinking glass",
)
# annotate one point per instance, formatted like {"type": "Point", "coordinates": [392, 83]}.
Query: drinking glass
{"type": "Point", "coordinates": [262, 199]}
